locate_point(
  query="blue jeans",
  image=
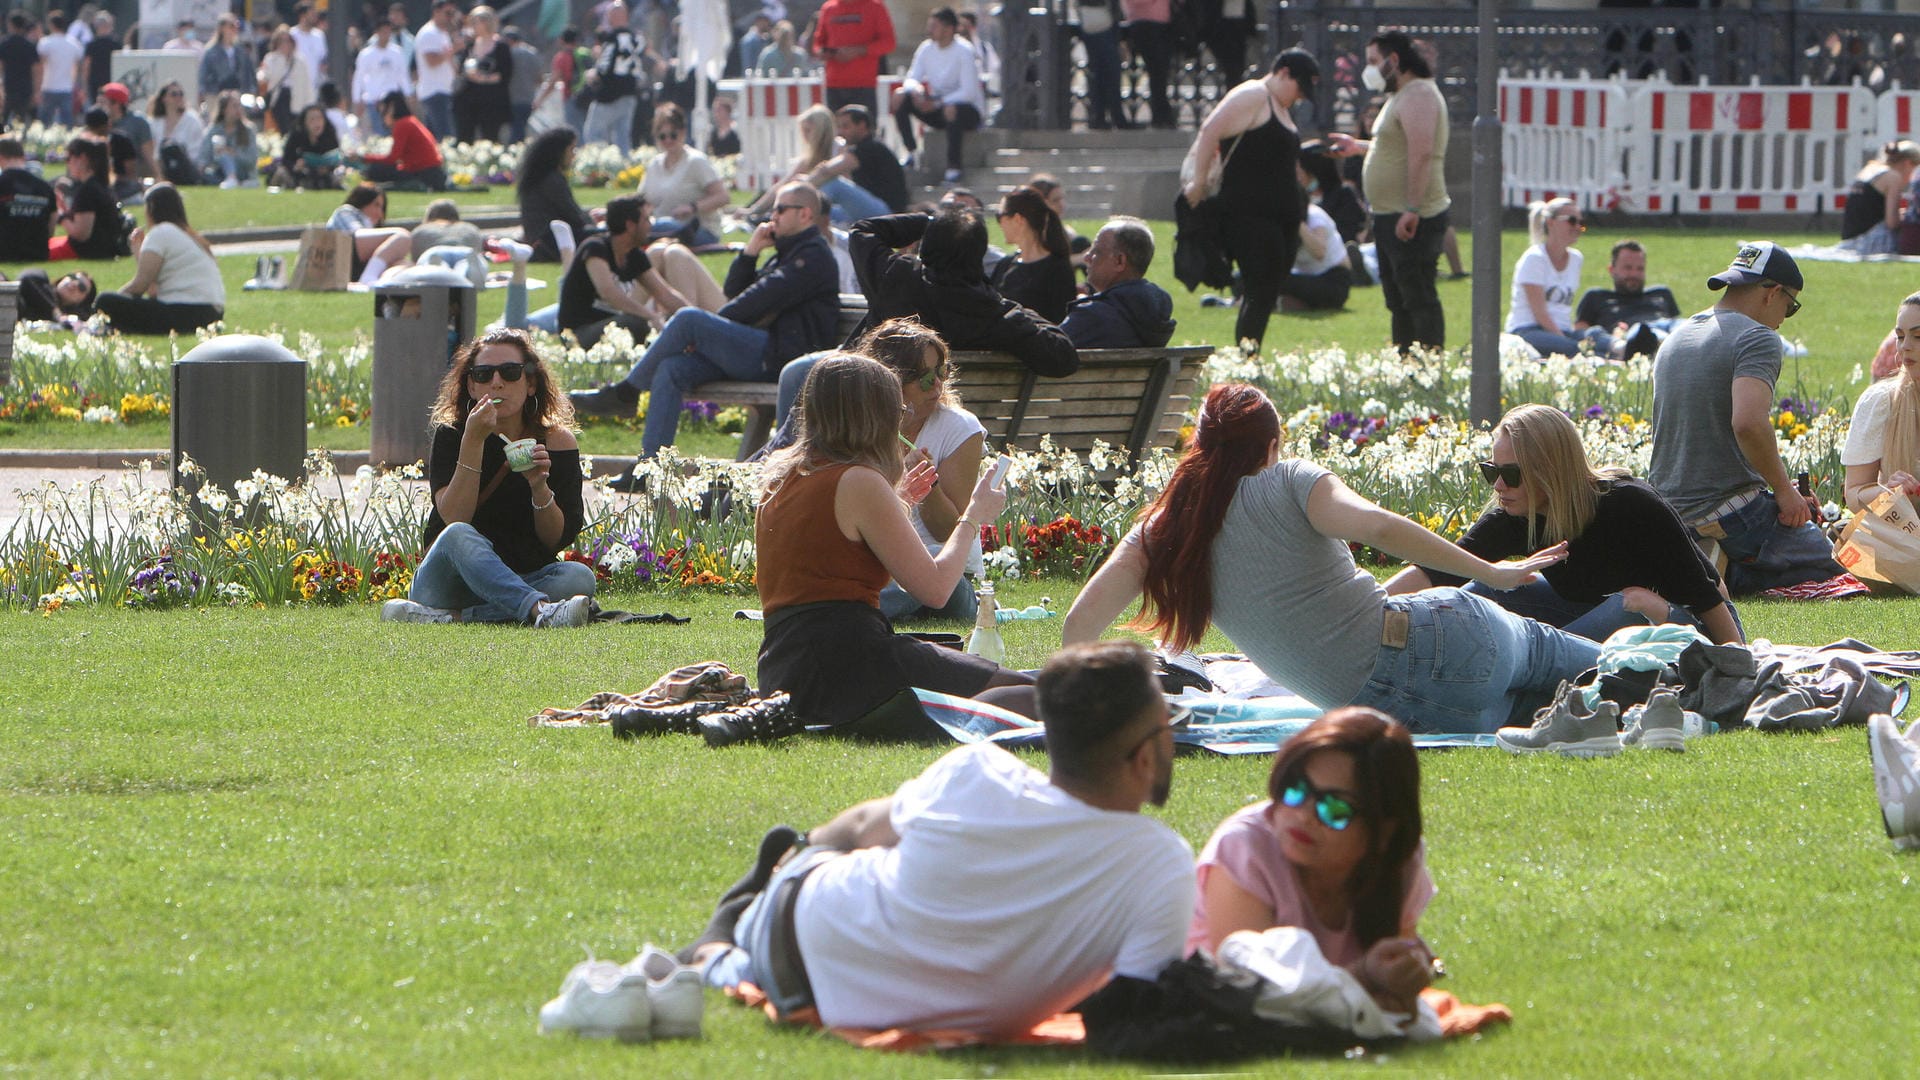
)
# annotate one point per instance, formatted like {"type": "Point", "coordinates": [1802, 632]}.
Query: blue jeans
{"type": "Point", "coordinates": [672, 226]}
{"type": "Point", "coordinates": [518, 114]}
{"type": "Point", "coordinates": [1548, 342]}
{"type": "Point", "coordinates": [1764, 554]}
{"type": "Point", "coordinates": [694, 347]}
{"type": "Point", "coordinates": [897, 604]}
{"type": "Point", "coordinates": [1597, 622]}
{"type": "Point", "coordinates": [1103, 77]}
{"type": "Point", "coordinates": [547, 318]}
{"type": "Point", "coordinates": [610, 122]}
{"type": "Point", "coordinates": [56, 108]}
{"type": "Point", "coordinates": [1468, 665]}
{"type": "Point", "coordinates": [437, 113]}
{"type": "Point", "coordinates": [851, 202]}
{"type": "Point", "coordinates": [793, 379]}
{"type": "Point", "coordinates": [462, 573]}
{"type": "Point", "coordinates": [376, 127]}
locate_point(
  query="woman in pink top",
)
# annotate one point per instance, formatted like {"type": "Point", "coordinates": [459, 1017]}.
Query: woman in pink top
{"type": "Point", "coordinates": [1335, 852]}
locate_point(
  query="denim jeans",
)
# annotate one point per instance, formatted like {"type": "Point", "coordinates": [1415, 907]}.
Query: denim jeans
{"type": "Point", "coordinates": [1409, 279]}
{"type": "Point", "coordinates": [694, 347]}
{"type": "Point", "coordinates": [1548, 342]}
{"type": "Point", "coordinates": [748, 959]}
{"type": "Point", "coordinates": [610, 122]}
{"type": "Point", "coordinates": [672, 226]}
{"type": "Point", "coordinates": [1103, 77]}
{"type": "Point", "coordinates": [1468, 665]}
{"type": "Point", "coordinates": [898, 604]}
{"type": "Point", "coordinates": [793, 378]}
{"type": "Point", "coordinates": [436, 112]}
{"type": "Point", "coordinates": [1764, 554]}
{"type": "Point", "coordinates": [851, 202]}
{"type": "Point", "coordinates": [1597, 622]}
{"type": "Point", "coordinates": [462, 573]}
{"type": "Point", "coordinates": [376, 127]}
{"type": "Point", "coordinates": [56, 107]}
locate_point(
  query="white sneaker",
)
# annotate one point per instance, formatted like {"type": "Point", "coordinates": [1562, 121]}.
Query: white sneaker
{"type": "Point", "coordinates": [673, 993]}
{"type": "Point", "coordinates": [553, 614]}
{"type": "Point", "coordinates": [599, 999]}
{"type": "Point", "coordinates": [1896, 778]}
{"type": "Point", "coordinates": [401, 610]}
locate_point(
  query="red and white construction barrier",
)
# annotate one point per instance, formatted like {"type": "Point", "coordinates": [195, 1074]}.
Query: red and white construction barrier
{"type": "Point", "coordinates": [1562, 139]}
{"type": "Point", "coordinates": [765, 111]}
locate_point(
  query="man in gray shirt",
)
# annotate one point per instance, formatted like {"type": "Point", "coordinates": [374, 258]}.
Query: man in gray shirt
{"type": "Point", "coordinates": [1715, 457]}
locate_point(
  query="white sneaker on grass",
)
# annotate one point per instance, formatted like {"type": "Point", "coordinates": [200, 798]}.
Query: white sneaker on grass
{"type": "Point", "coordinates": [554, 614]}
{"type": "Point", "coordinates": [674, 993]}
{"type": "Point", "coordinates": [599, 999]}
{"type": "Point", "coordinates": [1896, 778]}
{"type": "Point", "coordinates": [1567, 727]}
{"type": "Point", "coordinates": [402, 610]}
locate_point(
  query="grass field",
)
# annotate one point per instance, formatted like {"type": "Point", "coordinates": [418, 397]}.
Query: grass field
{"type": "Point", "coordinates": [305, 842]}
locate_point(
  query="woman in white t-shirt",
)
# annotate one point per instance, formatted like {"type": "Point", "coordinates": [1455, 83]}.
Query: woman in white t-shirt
{"type": "Point", "coordinates": [1320, 280]}
{"type": "Point", "coordinates": [176, 287]}
{"type": "Point", "coordinates": [682, 184]}
{"type": "Point", "coordinates": [174, 122]}
{"type": "Point", "coordinates": [1546, 279]}
{"type": "Point", "coordinates": [943, 433]}
{"type": "Point", "coordinates": [1883, 443]}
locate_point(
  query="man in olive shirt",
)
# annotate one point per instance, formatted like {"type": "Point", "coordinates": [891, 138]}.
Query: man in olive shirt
{"type": "Point", "coordinates": [1404, 178]}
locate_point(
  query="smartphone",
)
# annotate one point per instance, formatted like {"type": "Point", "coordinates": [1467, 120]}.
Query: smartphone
{"type": "Point", "coordinates": [997, 474]}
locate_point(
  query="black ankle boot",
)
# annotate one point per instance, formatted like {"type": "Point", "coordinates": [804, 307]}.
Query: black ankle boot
{"type": "Point", "coordinates": [762, 720]}
{"type": "Point", "coordinates": [683, 719]}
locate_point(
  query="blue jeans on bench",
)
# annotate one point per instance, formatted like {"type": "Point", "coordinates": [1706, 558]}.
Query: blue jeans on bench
{"type": "Point", "coordinates": [694, 347]}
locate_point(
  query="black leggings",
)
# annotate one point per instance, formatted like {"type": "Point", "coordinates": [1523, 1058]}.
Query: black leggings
{"type": "Point", "coordinates": [143, 315]}
{"type": "Point", "coordinates": [1263, 249]}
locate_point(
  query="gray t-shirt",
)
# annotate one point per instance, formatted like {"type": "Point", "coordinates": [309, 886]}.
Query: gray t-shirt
{"type": "Point", "coordinates": [1291, 598]}
{"type": "Point", "coordinates": [1697, 463]}
{"type": "Point", "coordinates": [433, 234]}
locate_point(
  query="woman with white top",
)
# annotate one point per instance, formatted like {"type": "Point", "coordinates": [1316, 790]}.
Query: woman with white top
{"type": "Point", "coordinates": [174, 122]}
{"type": "Point", "coordinates": [1545, 281]}
{"type": "Point", "coordinates": [1883, 442]}
{"type": "Point", "coordinates": [1321, 279]}
{"type": "Point", "coordinates": [176, 286]}
{"type": "Point", "coordinates": [682, 184]}
{"type": "Point", "coordinates": [285, 81]}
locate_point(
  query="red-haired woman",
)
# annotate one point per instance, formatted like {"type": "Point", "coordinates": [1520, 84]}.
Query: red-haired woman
{"type": "Point", "coordinates": [1335, 851]}
{"type": "Point", "coordinates": [1258, 547]}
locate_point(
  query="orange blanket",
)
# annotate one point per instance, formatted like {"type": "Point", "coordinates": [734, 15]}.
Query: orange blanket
{"type": "Point", "coordinates": [1457, 1018]}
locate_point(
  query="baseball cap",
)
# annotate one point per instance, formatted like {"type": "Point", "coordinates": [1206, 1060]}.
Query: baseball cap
{"type": "Point", "coordinates": [116, 92]}
{"type": "Point", "coordinates": [1761, 260]}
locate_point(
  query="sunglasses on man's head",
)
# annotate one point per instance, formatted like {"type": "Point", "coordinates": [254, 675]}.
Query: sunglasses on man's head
{"type": "Point", "coordinates": [484, 373]}
{"type": "Point", "coordinates": [1510, 472]}
{"type": "Point", "coordinates": [1334, 811]}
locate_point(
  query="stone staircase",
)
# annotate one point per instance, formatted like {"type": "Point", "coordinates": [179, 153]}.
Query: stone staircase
{"type": "Point", "coordinates": [1104, 172]}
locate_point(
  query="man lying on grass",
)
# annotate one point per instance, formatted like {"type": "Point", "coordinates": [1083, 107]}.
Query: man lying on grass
{"type": "Point", "coordinates": [981, 896]}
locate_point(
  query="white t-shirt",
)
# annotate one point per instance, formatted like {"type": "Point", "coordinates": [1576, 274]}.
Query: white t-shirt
{"type": "Point", "coordinates": [61, 55]}
{"type": "Point", "coordinates": [1320, 223]}
{"type": "Point", "coordinates": [1867, 435]}
{"type": "Point", "coordinates": [1005, 901]}
{"type": "Point", "coordinates": [951, 74]}
{"type": "Point", "coordinates": [380, 71]}
{"type": "Point", "coordinates": [189, 131]}
{"type": "Point", "coordinates": [433, 80]}
{"type": "Point", "coordinates": [940, 436]}
{"type": "Point", "coordinates": [188, 275]}
{"type": "Point", "coordinates": [1535, 268]}
{"type": "Point", "coordinates": [311, 46]}
{"type": "Point", "coordinates": [667, 188]}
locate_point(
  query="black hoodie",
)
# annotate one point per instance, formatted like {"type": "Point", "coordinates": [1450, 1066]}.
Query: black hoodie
{"type": "Point", "coordinates": [950, 296]}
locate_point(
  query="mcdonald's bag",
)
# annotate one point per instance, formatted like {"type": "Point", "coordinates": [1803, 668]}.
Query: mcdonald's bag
{"type": "Point", "coordinates": [1882, 542]}
{"type": "Point", "coordinates": [325, 263]}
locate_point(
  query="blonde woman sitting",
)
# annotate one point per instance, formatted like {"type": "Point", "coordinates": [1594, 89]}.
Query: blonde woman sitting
{"type": "Point", "coordinates": [1883, 443]}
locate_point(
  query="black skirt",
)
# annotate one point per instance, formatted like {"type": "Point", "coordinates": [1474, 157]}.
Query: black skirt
{"type": "Point", "coordinates": [842, 660]}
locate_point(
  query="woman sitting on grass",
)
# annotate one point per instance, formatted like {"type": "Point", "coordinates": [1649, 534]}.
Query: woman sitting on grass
{"type": "Point", "coordinates": [832, 529]}
{"type": "Point", "coordinates": [176, 284]}
{"type": "Point", "coordinates": [546, 197]}
{"type": "Point", "coordinates": [494, 531]}
{"type": "Point", "coordinates": [310, 158]}
{"type": "Point", "coordinates": [376, 246]}
{"type": "Point", "coordinates": [1259, 547]}
{"type": "Point", "coordinates": [1629, 561]}
{"type": "Point", "coordinates": [229, 152]}
{"type": "Point", "coordinates": [1545, 280]}
{"type": "Point", "coordinates": [176, 123]}
{"type": "Point", "coordinates": [1335, 851]}
{"type": "Point", "coordinates": [413, 160]}
{"type": "Point", "coordinates": [1883, 442]}
{"type": "Point", "coordinates": [91, 215]}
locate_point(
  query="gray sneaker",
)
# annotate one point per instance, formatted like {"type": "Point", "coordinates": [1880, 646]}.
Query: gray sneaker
{"type": "Point", "coordinates": [551, 614]}
{"type": "Point", "coordinates": [401, 610]}
{"type": "Point", "coordinates": [1567, 727]}
{"type": "Point", "coordinates": [1896, 778]}
{"type": "Point", "coordinates": [1660, 724]}
{"type": "Point", "coordinates": [605, 401]}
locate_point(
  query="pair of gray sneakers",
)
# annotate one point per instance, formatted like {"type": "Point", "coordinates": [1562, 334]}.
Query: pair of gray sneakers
{"type": "Point", "coordinates": [1569, 728]}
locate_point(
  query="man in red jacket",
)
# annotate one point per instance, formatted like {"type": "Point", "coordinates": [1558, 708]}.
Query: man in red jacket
{"type": "Point", "coordinates": [852, 38]}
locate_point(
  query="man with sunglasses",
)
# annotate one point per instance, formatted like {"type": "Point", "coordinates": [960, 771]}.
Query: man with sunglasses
{"type": "Point", "coordinates": [982, 896]}
{"type": "Point", "coordinates": [1715, 456]}
{"type": "Point", "coordinates": [1123, 310]}
{"type": "Point", "coordinates": [774, 313]}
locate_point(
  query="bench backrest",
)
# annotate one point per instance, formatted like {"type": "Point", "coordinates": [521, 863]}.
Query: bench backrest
{"type": "Point", "coordinates": [1136, 398]}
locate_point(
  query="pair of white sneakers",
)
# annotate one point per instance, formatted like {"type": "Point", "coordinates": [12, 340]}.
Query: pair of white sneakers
{"type": "Point", "coordinates": [1896, 778]}
{"type": "Point", "coordinates": [653, 996]}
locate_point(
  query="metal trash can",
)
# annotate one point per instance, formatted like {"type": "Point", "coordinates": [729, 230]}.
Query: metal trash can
{"type": "Point", "coordinates": [240, 404]}
{"type": "Point", "coordinates": [420, 316]}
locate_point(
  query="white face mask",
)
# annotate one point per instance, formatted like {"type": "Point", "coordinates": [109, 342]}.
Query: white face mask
{"type": "Point", "coordinates": [1372, 79]}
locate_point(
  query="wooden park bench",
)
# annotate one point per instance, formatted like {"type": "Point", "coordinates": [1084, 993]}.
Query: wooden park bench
{"type": "Point", "coordinates": [1136, 398]}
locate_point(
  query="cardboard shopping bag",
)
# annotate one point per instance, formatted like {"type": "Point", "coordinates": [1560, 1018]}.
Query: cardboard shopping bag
{"type": "Point", "coordinates": [325, 263]}
{"type": "Point", "coordinates": [1882, 542]}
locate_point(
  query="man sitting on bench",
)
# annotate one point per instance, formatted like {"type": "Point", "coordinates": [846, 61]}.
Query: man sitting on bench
{"type": "Point", "coordinates": [982, 896]}
{"type": "Point", "coordinates": [1124, 310]}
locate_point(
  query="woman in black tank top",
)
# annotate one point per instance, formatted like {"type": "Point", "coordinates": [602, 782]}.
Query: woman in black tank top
{"type": "Point", "coordinates": [1870, 224]}
{"type": "Point", "coordinates": [1249, 142]}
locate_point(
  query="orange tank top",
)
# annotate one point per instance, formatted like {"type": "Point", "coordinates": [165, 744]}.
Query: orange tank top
{"type": "Point", "coordinates": [803, 557]}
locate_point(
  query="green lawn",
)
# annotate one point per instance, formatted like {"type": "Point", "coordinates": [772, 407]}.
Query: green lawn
{"type": "Point", "coordinates": [305, 842]}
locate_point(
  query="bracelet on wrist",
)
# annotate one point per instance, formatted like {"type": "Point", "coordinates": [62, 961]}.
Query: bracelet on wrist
{"type": "Point", "coordinates": [542, 506]}
{"type": "Point", "coordinates": [470, 468]}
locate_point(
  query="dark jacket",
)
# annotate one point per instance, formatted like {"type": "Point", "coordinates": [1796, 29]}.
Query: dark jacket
{"type": "Point", "coordinates": [952, 300]}
{"type": "Point", "coordinates": [795, 298]}
{"type": "Point", "coordinates": [548, 200]}
{"type": "Point", "coordinates": [1134, 314]}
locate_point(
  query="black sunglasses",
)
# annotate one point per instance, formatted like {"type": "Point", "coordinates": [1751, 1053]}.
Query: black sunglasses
{"type": "Point", "coordinates": [484, 373]}
{"type": "Point", "coordinates": [1510, 472]}
{"type": "Point", "coordinates": [1793, 302]}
